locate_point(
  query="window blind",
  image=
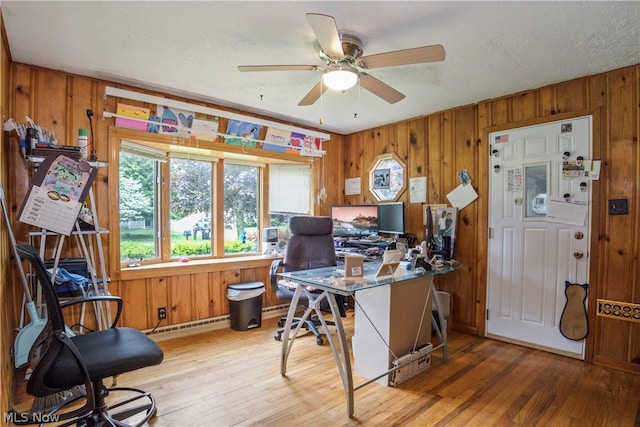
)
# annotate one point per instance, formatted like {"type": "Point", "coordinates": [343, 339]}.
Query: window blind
{"type": "Point", "coordinates": [289, 189]}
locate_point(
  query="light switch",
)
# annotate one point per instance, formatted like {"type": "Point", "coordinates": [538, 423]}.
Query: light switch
{"type": "Point", "coordinates": [618, 207]}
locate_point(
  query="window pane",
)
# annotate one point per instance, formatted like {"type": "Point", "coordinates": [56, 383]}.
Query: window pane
{"type": "Point", "coordinates": [139, 202]}
{"type": "Point", "coordinates": [535, 178]}
{"type": "Point", "coordinates": [191, 184]}
{"type": "Point", "coordinates": [282, 222]}
{"type": "Point", "coordinates": [240, 208]}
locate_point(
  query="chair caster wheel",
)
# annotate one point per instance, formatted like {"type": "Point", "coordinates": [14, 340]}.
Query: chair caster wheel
{"type": "Point", "coordinates": [278, 336]}
{"type": "Point", "coordinates": [280, 323]}
{"type": "Point", "coordinates": [319, 341]}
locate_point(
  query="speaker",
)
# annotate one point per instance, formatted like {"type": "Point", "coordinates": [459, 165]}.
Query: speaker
{"type": "Point", "coordinates": [269, 240]}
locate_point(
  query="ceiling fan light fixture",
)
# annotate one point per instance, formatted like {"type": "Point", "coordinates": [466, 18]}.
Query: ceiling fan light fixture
{"type": "Point", "coordinates": [339, 77]}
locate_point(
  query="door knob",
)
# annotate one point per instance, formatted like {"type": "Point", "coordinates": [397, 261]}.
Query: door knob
{"type": "Point", "coordinates": [578, 254]}
{"type": "Point", "coordinates": [578, 235]}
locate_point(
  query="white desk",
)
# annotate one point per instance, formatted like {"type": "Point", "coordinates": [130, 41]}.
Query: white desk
{"type": "Point", "coordinates": [368, 293]}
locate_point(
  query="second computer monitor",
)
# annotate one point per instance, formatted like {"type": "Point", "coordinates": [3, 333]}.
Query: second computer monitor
{"type": "Point", "coordinates": [391, 218]}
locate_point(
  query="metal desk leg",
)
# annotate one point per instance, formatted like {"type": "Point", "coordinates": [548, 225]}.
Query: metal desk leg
{"type": "Point", "coordinates": [286, 345]}
{"type": "Point", "coordinates": [342, 358]}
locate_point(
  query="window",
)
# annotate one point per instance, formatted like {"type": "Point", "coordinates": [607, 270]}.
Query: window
{"type": "Point", "coordinates": [191, 190]}
{"type": "Point", "coordinates": [183, 201]}
{"type": "Point", "coordinates": [536, 178]}
{"type": "Point", "coordinates": [241, 193]}
{"type": "Point", "coordinates": [139, 207]}
{"type": "Point", "coordinates": [289, 195]}
{"type": "Point", "coordinates": [387, 177]}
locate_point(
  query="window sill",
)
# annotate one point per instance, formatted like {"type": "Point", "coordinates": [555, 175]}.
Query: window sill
{"type": "Point", "coordinates": [194, 266]}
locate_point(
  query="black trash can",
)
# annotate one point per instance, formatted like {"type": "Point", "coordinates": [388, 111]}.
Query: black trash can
{"type": "Point", "coordinates": [245, 305]}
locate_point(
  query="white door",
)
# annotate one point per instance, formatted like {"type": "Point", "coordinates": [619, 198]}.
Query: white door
{"type": "Point", "coordinates": [530, 255]}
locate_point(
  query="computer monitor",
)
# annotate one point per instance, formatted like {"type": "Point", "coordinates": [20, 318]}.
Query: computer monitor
{"type": "Point", "coordinates": [354, 220]}
{"type": "Point", "coordinates": [391, 218]}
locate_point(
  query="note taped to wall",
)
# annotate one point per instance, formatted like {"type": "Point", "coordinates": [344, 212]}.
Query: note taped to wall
{"type": "Point", "coordinates": [462, 195]}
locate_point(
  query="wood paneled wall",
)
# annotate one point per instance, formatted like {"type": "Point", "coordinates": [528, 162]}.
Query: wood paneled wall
{"type": "Point", "coordinates": [436, 146]}
{"type": "Point", "coordinates": [7, 293]}
{"type": "Point", "coordinates": [440, 145]}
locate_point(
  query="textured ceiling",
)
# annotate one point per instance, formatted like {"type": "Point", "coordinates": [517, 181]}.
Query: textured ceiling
{"type": "Point", "coordinates": [193, 49]}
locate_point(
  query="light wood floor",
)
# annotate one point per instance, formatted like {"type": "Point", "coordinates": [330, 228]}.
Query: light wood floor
{"type": "Point", "coordinates": [232, 378]}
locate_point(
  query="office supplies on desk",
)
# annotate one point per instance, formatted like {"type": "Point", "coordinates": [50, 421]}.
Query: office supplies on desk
{"type": "Point", "coordinates": [388, 269]}
{"type": "Point", "coordinates": [353, 266]}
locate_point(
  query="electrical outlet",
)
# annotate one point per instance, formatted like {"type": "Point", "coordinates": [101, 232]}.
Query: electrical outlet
{"type": "Point", "coordinates": [162, 313]}
{"type": "Point", "coordinates": [618, 207]}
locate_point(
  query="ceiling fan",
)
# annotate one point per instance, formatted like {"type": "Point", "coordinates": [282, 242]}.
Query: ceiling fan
{"type": "Point", "coordinates": [342, 55]}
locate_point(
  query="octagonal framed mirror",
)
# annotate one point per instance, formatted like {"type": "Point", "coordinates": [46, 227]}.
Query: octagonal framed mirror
{"type": "Point", "coordinates": [387, 177]}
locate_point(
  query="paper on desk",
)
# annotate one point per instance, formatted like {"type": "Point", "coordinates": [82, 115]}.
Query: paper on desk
{"type": "Point", "coordinates": [563, 212]}
{"type": "Point", "coordinates": [462, 195]}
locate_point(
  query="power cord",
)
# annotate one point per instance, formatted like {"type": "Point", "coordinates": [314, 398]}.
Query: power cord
{"type": "Point", "coordinates": [93, 156]}
{"type": "Point", "coordinates": [154, 328]}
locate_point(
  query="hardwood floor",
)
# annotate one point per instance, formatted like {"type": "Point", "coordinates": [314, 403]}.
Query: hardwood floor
{"type": "Point", "coordinates": [232, 378]}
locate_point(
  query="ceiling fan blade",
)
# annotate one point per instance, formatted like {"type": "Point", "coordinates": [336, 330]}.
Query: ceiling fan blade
{"type": "Point", "coordinates": [313, 95]}
{"type": "Point", "coordinates": [324, 26]}
{"type": "Point", "coordinates": [278, 67]}
{"type": "Point", "coordinates": [380, 89]}
{"type": "Point", "coordinates": [416, 55]}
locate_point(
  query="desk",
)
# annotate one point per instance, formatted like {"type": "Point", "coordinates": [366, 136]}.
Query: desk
{"type": "Point", "coordinates": [329, 282]}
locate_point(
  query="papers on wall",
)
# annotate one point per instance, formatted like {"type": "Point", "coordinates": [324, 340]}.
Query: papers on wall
{"type": "Point", "coordinates": [418, 190]}
{"type": "Point", "coordinates": [576, 169]}
{"type": "Point", "coordinates": [563, 212]}
{"type": "Point", "coordinates": [57, 192]}
{"type": "Point", "coordinates": [351, 186]}
{"type": "Point", "coordinates": [462, 195]}
{"type": "Point", "coordinates": [513, 180]}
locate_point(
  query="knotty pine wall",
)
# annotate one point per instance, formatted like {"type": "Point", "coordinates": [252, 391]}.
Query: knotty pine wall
{"type": "Point", "coordinates": [7, 334]}
{"type": "Point", "coordinates": [58, 101]}
{"type": "Point", "coordinates": [440, 145]}
{"type": "Point", "coordinates": [436, 146]}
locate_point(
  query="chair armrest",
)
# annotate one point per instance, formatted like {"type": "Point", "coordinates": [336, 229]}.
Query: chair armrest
{"type": "Point", "coordinates": [273, 273]}
{"type": "Point", "coordinates": [21, 418]}
{"type": "Point", "coordinates": [97, 298]}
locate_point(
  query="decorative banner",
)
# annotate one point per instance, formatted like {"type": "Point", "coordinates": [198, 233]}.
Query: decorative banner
{"type": "Point", "coordinates": [175, 121]}
{"type": "Point", "coordinates": [203, 129]}
{"type": "Point", "coordinates": [138, 116]}
{"type": "Point", "coordinates": [276, 140]}
{"type": "Point", "coordinates": [292, 142]}
{"type": "Point", "coordinates": [241, 133]}
{"type": "Point", "coordinates": [311, 146]}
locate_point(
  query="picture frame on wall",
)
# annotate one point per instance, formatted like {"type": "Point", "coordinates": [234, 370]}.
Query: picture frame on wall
{"type": "Point", "coordinates": [441, 229]}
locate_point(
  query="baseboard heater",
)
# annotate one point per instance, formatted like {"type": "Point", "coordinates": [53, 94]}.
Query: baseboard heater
{"type": "Point", "coordinates": [410, 364]}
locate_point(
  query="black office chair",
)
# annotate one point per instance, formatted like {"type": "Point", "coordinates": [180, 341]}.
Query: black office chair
{"type": "Point", "coordinates": [62, 362]}
{"type": "Point", "coordinates": [310, 245]}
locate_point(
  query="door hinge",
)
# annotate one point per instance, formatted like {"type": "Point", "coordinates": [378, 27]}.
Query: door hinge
{"type": "Point", "coordinates": [487, 314]}
{"type": "Point", "coordinates": [490, 232]}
